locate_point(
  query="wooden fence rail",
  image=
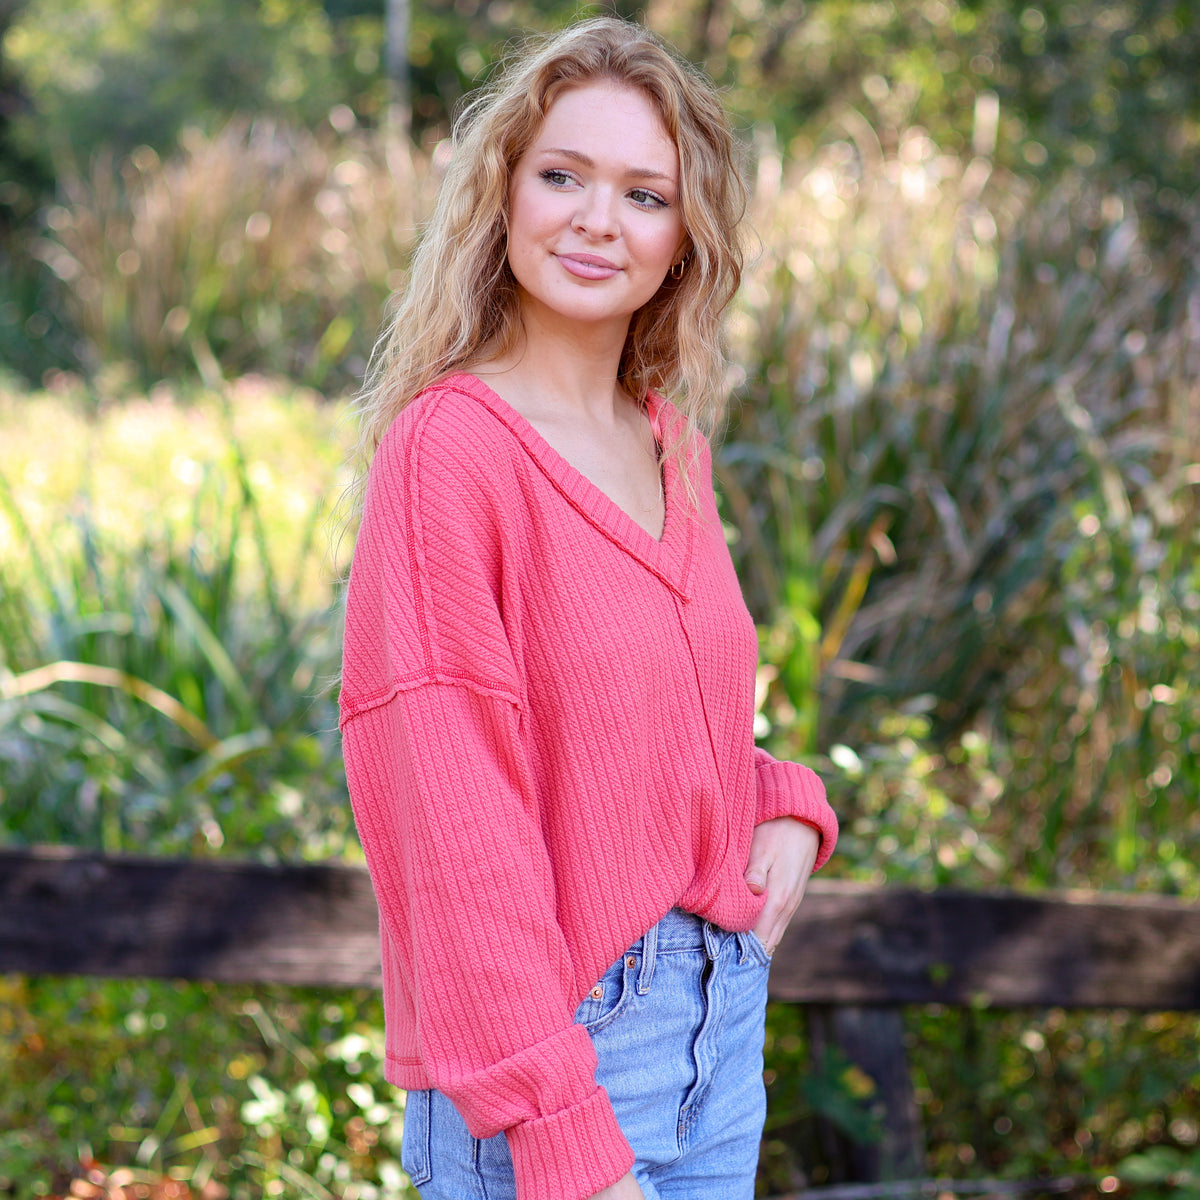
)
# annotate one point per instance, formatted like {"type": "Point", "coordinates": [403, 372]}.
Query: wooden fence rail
{"type": "Point", "coordinates": [854, 953]}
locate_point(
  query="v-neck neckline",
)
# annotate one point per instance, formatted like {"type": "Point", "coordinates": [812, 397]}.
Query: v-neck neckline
{"type": "Point", "coordinates": [669, 556]}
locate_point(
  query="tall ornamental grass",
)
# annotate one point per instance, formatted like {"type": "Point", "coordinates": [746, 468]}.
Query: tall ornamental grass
{"type": "Point", "coordinates": [963, 471]}
{"type": "Point", "coordinates": [165, 681]}
{"type": "Point", "coordinates": [274, 249]}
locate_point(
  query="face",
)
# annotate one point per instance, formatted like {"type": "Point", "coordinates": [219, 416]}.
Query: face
{"type": "Point", "coordinates": [594, 220]}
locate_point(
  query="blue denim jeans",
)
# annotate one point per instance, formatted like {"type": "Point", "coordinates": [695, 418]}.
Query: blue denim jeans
{"type": "Point", "coordinates": [677, 1022]}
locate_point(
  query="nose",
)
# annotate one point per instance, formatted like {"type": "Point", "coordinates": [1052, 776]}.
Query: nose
{"type": "Point", "coordinates": [596, 215]}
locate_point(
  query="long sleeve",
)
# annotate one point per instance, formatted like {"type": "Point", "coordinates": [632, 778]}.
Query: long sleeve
{"type": "Point", "coordinates": [444, 812]}
{"type": "Point", "coordinates": [448, 817]}
{"type": "Point", "coordinates": [788, 789]}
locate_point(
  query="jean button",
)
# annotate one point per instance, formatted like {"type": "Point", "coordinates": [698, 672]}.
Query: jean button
{"type": "Point", "coordinates": [597, 993]}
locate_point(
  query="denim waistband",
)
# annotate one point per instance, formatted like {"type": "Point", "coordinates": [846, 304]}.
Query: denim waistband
{"type": "Point", "coordinates": [680, 931]}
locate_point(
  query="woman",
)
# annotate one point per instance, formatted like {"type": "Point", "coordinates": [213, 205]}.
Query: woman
{"type": "Point", "coordinates": [582, 861]}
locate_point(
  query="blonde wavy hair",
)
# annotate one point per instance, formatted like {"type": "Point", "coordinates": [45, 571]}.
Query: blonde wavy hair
{"type": "Point", "coordinates": [460, 303]}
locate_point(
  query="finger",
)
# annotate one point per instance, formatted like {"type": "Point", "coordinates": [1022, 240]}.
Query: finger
{"type": "Point", "coordinates": [757, 870]}
{"type": "Point", "coordinates": [778, 913]}
{"type": "Point", "coordinates": [775, 931]}
{"type": "Point", "coordinates": [771, 921]}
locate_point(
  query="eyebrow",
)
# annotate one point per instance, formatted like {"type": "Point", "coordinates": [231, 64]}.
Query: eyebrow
{"type": "Point", "coordinates": [584, 160]}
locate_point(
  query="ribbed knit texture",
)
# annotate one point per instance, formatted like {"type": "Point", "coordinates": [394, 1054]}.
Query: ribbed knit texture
{"type": "Point", "coordinates": [547, 723]}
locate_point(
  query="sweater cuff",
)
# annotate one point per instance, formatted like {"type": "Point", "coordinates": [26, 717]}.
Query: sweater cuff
{"type": "Point", "coordinates": [571, 1154]}
{"type": "Point", "coordinates": [788, 789]}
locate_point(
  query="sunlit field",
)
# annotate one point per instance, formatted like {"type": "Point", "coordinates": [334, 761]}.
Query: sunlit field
{"type": "Point", "coordinates": [143, 464]}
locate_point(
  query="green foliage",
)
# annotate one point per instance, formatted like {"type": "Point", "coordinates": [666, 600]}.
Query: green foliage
{"type": "Point", "coordinates": [963, 466]}
{"type": "Point", "coordinates": [1115, 769]}
{"type": "Point", "coordinates": [1099, 85]}
{"type": "Point", "coordinates": [33, 334]}
{"type": "Point", "coordinates": [1095, 1091]}
{"type": "Point", "coordinates": [165, 687]}
{"type": "Point", "coordinates": [228, 1091]}
{"type": "Point", "coordinates": [1004, 1094]}
{"type": "Point", "coordinates": [113, 76]}
{"type": "Point", "coordinates": [1095, 84]}
{"type": "Point", "coordinates": [167, 653]}
{"type": "Point", "coordinates": [104, 73]}
{"type": "Point", "coordinates": [1164, 1171]}
{"type": "Point", "coordinates": [264, 248]}
{"type": "Point", "coordinates": [114, 87]}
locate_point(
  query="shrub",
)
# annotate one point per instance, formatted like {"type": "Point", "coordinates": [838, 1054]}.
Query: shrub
{"type": "Point", "coordinates": [168, 687]}
{"type": "Point", "coordinates": [962, 477]}
{"type": "Point", "coordinates": [265, 248]}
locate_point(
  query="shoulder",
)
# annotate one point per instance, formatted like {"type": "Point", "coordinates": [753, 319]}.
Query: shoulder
{"type": "Point", "coordinates": [448, 438]}
{"type": "Point", "coordinates": [446, 480]}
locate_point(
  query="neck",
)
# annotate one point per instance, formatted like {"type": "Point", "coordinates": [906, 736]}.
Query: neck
{"type": "Point", "coordinates": [570, 369]}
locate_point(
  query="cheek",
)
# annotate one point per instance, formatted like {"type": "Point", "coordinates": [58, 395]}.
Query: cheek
{"type": "Point", "coordinates": [670, 235]}
{"type": "Point", "coordinates": [524, 233]}
{"type": "Point", "coordinates": [525, 214]}
{"type": "Point", "coordinates": [670, 242]}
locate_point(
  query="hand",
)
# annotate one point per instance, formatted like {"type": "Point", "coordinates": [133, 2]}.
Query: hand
{"type": "Point", "coordinates": [626, 1188]}
{"type": "Point", "coordinates": [782, 854]}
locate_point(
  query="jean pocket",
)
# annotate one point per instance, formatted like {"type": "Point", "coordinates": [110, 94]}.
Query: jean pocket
{"type": "Point", "coordinates": [609, 998]}
{"type": "Point", "coordinates": [757, 949]}
{"type": "Point", "coordinates": [415, 1155]}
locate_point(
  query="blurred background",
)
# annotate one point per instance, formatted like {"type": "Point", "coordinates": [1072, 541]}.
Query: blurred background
{"type": "Point", "coordinates": [960, 481]}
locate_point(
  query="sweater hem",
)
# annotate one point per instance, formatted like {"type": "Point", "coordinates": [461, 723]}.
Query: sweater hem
{"type": "Point", "coordinates": [572, 1154]}
{"type": "Point", "coordinates": [568, 1155]}
{"type": "Point", "coordinates": [407, 1075]}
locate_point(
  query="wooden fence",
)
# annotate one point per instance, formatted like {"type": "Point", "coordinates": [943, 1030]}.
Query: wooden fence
{"type": "Point", "coordinates": [855, 953]}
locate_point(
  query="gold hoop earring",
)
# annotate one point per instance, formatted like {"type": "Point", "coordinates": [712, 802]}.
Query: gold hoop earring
{"type": "Point", "coordinates": [676, 271]}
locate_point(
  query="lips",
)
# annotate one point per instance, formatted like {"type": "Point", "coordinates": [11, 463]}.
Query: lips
{"type": "Point", "coordinates": [588, 266]}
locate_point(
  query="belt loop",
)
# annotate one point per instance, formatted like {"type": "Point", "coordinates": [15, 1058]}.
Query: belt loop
{"type": "Point", "coordinates": [649, 954]}
{"type": "Point", "coordinates": [712, 943]}
{"type": "Point", "coordinates": [743, 941]}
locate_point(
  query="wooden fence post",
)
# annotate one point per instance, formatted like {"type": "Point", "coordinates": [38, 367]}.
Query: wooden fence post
{"type": "Point", "coordinates": [872, 1039]}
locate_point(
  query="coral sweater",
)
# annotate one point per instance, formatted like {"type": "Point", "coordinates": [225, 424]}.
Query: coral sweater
{"type": "Point", "coordinates": [547, 727]}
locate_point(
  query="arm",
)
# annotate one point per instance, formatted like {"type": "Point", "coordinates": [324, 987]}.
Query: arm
{"type": "Point", "coordinates": [795, 835]}
{"type": "Point", "coordinates": [441, 798]}
{"type": "Point", "coordinates": [444, 799]}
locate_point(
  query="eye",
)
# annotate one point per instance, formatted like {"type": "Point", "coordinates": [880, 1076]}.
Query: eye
{"type": "Point", "coordinates": [648, 199]}
{"type": "Point", "coordinates": [557, 178]}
